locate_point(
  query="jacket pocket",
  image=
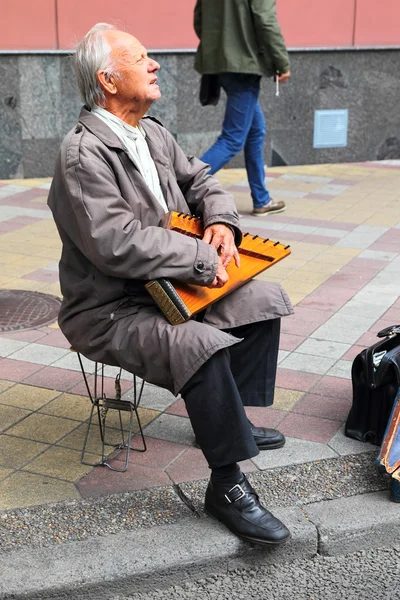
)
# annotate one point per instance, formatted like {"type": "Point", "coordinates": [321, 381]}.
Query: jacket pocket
{"type": "Point", "coordinates": [125, 308]}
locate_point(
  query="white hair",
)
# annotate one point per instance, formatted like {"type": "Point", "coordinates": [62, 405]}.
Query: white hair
{"type": "Point", "coordinates": [93, 54]}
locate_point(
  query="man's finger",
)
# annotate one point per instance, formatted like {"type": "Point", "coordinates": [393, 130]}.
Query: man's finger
{"type": "Point", "coordinates": [236, 257]}
{"type": "Point", "coordinates": [207, 236]}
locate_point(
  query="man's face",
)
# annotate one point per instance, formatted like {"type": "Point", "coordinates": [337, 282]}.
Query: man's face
{"type": "Point", "coordinates": [137, 86]}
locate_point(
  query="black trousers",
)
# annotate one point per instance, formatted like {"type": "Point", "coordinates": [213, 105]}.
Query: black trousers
{"type": "Point", "coordinates": [242, 375]}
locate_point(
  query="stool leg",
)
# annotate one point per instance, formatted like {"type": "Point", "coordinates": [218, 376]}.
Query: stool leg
{"type": "Point", "coordinates": [136, 401]}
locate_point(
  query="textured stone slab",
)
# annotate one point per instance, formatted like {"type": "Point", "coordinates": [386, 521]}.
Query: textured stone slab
{"type": "Point", "coordinates": [324, 348]}
{"type": "Point", "coordinates": [157, 553]}
{"type": "Point", "coordinates": [344, 445]}
{"type": "Point", "coordinates": [306, 178]}
{"type": "Point", "coordinates": [172, 428]}
{"type": "Point", "coordinates": [8, 346]}
{"type": "Point", "coordinates": [39, 87]}
{"type": "Point", "coordinates": [362, 236]}
{"type": "Point", "coordinates": [294, 452]}
{"type": "Point", "coordinates": [70, 361]}
{"type": "Point", "coordinates": [357, 523]}
{"type": "Point", "coordinates": [341, 369]}
{"type": "Point", "coordinates": [39, 354]}
{"type": "Point", "coordinates": [154, 397]}
{"type": "Point", "coordinates": [165, 109]}
{"type": "Point", "coordinates": [307, 363]}
{"type": "Point", "coordinates": [343, 328]}
{"type": "Point", "coordinates": [377, 255]}
{"type": "Point", "coordinates": [10, 119]}
{"type": "Point", "coordinates": [331, 189]}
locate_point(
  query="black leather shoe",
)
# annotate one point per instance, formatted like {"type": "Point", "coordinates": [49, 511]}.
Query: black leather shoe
{"type": "Point", "coordinates": [267, 439]}
{"type": "Point", "coordinates": [237, 506]}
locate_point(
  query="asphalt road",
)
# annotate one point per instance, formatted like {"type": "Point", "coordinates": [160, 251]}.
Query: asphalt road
{"type": "Point", "coordinates": [372, 575]}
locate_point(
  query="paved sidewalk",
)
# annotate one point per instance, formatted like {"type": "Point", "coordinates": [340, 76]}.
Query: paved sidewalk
{"type": "Point", "coordinates": [343, 224]}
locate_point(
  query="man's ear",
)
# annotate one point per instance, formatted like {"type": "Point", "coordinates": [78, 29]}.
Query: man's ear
{"type": "Point", "coordinates": [107, 82]}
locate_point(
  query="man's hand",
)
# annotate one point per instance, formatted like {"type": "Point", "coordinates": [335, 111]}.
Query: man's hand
{"type": "Point", "coordinates": [284, 77]}
{"type": "Point", "coordinates": [221, 237]}
{"type": "Point", "coordinates": [221, 276]}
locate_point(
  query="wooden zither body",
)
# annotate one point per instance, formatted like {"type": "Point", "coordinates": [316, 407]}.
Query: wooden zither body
{"type": "Point", "coordinates": [180, 301]}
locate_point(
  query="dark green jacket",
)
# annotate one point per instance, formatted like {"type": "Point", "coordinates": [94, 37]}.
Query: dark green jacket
{"type": "Point", "coordinates": [239, 36]}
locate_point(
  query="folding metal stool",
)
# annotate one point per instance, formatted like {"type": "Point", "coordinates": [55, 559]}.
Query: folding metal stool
{"type": "Point", "coordinates": [101, 404]}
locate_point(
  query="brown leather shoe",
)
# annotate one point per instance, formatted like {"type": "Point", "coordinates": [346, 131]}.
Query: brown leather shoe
{"type": "Point", "coordinates": [273, 206]}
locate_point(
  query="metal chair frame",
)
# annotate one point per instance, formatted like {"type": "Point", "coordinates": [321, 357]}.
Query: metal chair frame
{"type": "Point", "coordinates": [102, 404]}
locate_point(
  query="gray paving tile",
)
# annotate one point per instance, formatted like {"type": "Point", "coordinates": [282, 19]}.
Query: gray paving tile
{"type": "Point", "coordinates": [52, 267]}
{"type": "Point", "coordinates": [282, 355]}
{"type": "Point", "coordinates": [9, 190]}
{"type": "Point", "coordinates": [363, 309]}
{"type": "Point", "coordinates": [368, 303]}
{"type": "Point", "coordinates": [307, 363]}
{"type": "Point", "coordinates": [329, 232]}
{"type": "Point", "coordinates": [393, 266]}
{"type": "Point", "coordinates": [362, 236]}
{"type": "Point", "coordinates": [341, 369]}
{"type": "Point", "coordinates": [70, 361]}
{"type": "Point", "coordinates": [377, 255]}
{"type": "Point", "coordinates": [9, 212]}
{"type": "Point", "coordinates": [244, 183]}
{"type": "Point", "coordinates": [288, 193]}
{"type": "Point", "coordinates": [294, 452]}
{"type": "Point", "coordinates": [343, 328]}
{"type": "Point", "coordinates": [331, 189]}
{"type": "Point", "coordinates": [324, 348]}
{"type": "Point", "coordinates": [307, 229]}
{"type": "Point", "coordinates": [8, 347]}
{"type": "Point", "coordinates": [247, 224]}
{"type": "Point", "coordinates": [368, 296]}
{"type": "Point", "coordinates": [385, 283]}
{"type": "Point", "coordinates": [113, 372]}
{"type": "Point", "coordinates": [171, 428]}
{"type": "Point", "coordinates": [39, 354]}
{"type": "Point", "coordinates": [154, 397]}
{"type": "Point", "coordinates": [392, 162]}
{"type": "Point", "coordinates": [306, 178]}
{"type": "Point", "coordinates": [344, 445]}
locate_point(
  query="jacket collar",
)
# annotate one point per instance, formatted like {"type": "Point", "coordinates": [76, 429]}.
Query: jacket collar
{"type": "Point", "coordinates": [154, 142]}
{"type": "Point", "coordinates": [110, 139]}
{"type": "Point", "coordinates": [99, 129]}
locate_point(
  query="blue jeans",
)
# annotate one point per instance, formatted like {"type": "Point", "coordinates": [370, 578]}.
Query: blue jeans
{"type": "Point", "coordinates": [243, 127]}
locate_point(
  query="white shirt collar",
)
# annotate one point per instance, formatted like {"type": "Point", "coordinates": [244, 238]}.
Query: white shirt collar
{"type": "Point", "coordinates": [124, 127]}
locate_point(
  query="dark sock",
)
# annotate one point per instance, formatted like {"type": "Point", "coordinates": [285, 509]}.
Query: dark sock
{"type": "Point", "coordinates": [227, 472]}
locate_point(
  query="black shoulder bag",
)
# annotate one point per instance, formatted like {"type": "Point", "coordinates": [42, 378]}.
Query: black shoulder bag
{"type": "Point", "coordinates": [375, 376]}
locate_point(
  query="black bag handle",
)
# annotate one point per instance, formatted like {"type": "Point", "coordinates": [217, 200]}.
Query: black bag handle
{"type": "Point", "coordinates": [389, 331]}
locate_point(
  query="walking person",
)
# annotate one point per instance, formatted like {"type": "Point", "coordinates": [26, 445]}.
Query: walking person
{"type": "Point", "coordinates": [241, 40]}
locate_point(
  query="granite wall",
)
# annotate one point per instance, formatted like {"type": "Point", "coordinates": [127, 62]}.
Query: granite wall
{"type": "Point", "coordinates": [39, 103]}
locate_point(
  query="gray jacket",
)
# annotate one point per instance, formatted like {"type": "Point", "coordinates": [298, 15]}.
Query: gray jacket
{"type": "Point", "coordinates": [113, 241]}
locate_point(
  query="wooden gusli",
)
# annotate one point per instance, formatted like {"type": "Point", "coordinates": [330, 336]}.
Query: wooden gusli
{"type": "Point", "coordinates": [180, 301]}
{"type": "Point", "coordinates": [388, 460]}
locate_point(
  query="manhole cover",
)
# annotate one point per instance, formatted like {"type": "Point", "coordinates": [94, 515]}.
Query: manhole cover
{"type": "Point", "coordinates": [21, 309]}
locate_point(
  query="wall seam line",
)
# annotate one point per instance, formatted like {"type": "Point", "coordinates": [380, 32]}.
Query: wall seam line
{"type": "Point", "coordinates": [354, 22]}
{"type": "Point", "coordinates": [56, 24]}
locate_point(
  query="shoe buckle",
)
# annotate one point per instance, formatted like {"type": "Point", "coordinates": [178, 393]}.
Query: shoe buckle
{"type": "Point", "coordinates": [238, 493]}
